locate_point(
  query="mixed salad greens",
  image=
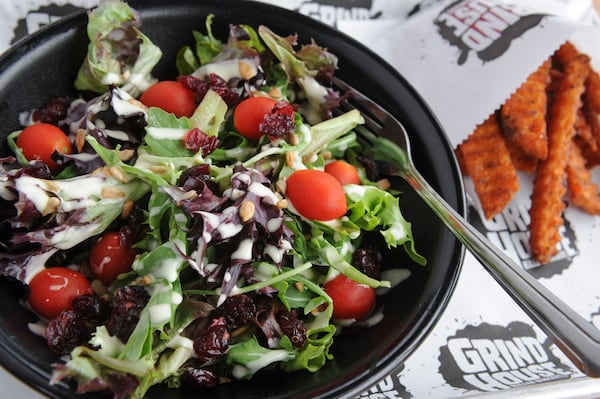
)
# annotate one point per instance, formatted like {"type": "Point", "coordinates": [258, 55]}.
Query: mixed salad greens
{"type": "Point", "coordinates": [232, 272]}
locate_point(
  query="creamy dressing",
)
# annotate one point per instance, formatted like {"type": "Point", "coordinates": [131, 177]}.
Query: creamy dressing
{"type": "Point", "coordinates": [240, 371]}
{"type": "Point", "coordinates": [125, 105]}
{"type": "Point", "coordinates": [228, 69]}
{"type": "Point", "coordinates": [81, 187]}
{"type": "Point", "coordinates": [274, 224]}
{"type": "Point", "coordinates": [176, 298]}
{"type": "Point", "coordinates": [116, 134]}
{"type": "Point", "coordinates": [5, 193]}
{"type": "Point", "coordinates": [38, 328]}
{"type": "Point", "coordinates": [73, 235]}
{"type": "Point", "coordinates": [242, 177]}
{"type": "Point", "coordinates": [355, 190]}
{"type": "Point", "coordinates": [229, 229]}
{"type": "Point", "coordinates": [274, 253]}
{"type": "Point", "coordinates": [168, 269]}
{"type": "Point", "coordinates": [347, 248]}
{"type": "Point", "coordinates": [243, 251]}
{"type": "Point", "coordinates": [36, 264]}
{"type": "Point", "coordinates": [159, 314]}
{"type": "Point", "coordinates": [179, 341]}
{"type": "Point", "coordinates": [397, 230]}
{"type": "Point", "coordinates": [166, 133]}
{"type": "Point", "coordinates": [111, 78]}
{"type": "Point", "coordinates": [263, 191]}
{"type": "Point", "coordinates": [395, 277]}
{"type": "Point", "coordinates": [234, 193]}
{"type": "Point", "coordinates": [31, 188]}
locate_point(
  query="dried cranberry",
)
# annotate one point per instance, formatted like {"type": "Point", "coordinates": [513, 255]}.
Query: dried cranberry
{"type": "Point", "coordinates": [92, 307]}
{"type": "Point", "coordinates": [371, 167]}
{"type": "Point", "coordinates": [279, 122]}
{"type": "Point", "coordinates": [194, 178]}
{"type": "Point", "coordinates": [195, 140]}
{"type": "Point", "coordinates": [211, 82]}
{"type": "Point", "coordinates": [65, 332]}
{"type": "Point", "coordinates": [292, 326]}
{"type": "Point", "coordinates": [202, 378]}
{"type": "Point", "coordinates": [237, 310]}
{"type": "Point", "coordinates": [215, 343]}
{"type": "Point", "coordinates": [130, 300]}
{"type": "Point", "coordinates": [55, 111]}
{"type": "Point", "coordinates": [367, 260]}
{"type": "Point", "coordinates": [37, 169]}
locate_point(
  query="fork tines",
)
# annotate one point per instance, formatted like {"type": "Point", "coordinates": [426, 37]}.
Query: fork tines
{"type": "Point", "coordinates": [354, 99]}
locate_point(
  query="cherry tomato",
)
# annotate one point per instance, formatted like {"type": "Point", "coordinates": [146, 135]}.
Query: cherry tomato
{"type": "Point", "coordinates": [249, 113]}
{"type": "Point", "coordinates": [351, 300]}
{"type": "Point", "coordinates": [110, 256]}
{"type": "Point", "coordinates": [40, 140]}
{"type": "Point", "coordinates": [344, 172]}
{"type": "Point", "coordinates": [170, 96]}
{"type": "Point", "coordinates": [316, 195]}
{"type": "Point", "coordinates": [52, 290]}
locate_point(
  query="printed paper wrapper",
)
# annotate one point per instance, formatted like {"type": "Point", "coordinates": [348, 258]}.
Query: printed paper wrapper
{"type": "Point", "coordinates": [465, 58]}
{"type": "Point", "coordinates": [483, 342]}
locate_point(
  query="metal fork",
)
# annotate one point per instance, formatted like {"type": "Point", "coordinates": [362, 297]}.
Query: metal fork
{"type": "Point", "coordinates": [575, 336]}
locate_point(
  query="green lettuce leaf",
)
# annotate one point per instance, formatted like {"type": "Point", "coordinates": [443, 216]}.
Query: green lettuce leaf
{"type": "Point", "coordinates": [113, 33]}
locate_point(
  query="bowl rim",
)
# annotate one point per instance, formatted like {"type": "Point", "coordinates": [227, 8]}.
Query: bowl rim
{"type": "Point", "coordinates": [38, 379]}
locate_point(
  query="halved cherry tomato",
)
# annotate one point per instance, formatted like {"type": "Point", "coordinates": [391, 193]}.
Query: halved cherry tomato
{"type": "Point", "coordinates": [344, 172]}
{"type": "Point", "coordinates": [53, 289]}
{"type": "Point", "coordinates": [249, 113]}
{"type": "Point", "coordinates": [316, 195]}
{"type": "Point", "coordinates": [170, 96]}
{"type": "Point", "coordinates": [40, 140]}
{"type": "Point", "coordinates": [110, 256]}
{"type": "Point", "coordinates": [351, 300]}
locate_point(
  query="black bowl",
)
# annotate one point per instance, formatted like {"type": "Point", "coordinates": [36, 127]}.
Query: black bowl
{"type": "Point", "coordinates": [44, 66]}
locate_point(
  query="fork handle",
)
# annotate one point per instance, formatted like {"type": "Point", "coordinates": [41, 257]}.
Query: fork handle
{"type": "Point", "coordinates": [575, 336]}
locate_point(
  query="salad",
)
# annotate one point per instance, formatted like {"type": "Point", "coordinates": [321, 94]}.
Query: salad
{"type": "Point", "coordinates": [200, 229]}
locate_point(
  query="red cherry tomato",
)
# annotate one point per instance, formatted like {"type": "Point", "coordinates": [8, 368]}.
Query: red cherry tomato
{"type": "Point", "coordinates": [344, 172]}
{"type": "Point", "coordinates": [249, 113]}
{"type": "Point", "coordinates": [351, 300]}
{"type": "Point", "coordinates": [170, 96]}
{"type": "Point", "coordinates": [110, 256]}
{"type": "Point", "coordinates": [52, 290]}
{"type": "Point", "coordinates": [316, 195]}
{"type": "Point", "coordinates": [40, 140]}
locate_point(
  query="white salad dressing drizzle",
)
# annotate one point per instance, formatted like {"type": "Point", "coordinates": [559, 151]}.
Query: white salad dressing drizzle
{"type": "Point", "coordinates": [125, 105]}
{"type": "Point", "coordinates": [274, 224]}
{"type": "Point", "coordinates": [243, 251]}
{"type": "Point", "coordinates": [229, 69]}
{"type": "Point", "coordinates": [159, 313]}
{"type": "Point", "coordinates": [166, 133]}
{"type": "Point", "coordinates": [263, 191]}
{"type": "Point", "coordinates": [275, 253]}
{"type": "Point", "coordinates": [168, 269]}
{"type": "Point", "coordinates": [73, 235]}
{"type": "Point", "coordinates": [240, 371]}
{"type": "Point", "coordinates": [32, 189]}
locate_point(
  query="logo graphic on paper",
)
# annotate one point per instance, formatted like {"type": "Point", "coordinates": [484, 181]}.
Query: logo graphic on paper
{"type": "Point", "coordinates": [41, 17]}
{"type": "Point", "coordinates": [489, 358]}
{"type": "Point", "coordinates": [509, 232]}
{"type": "Point", "coordinates": [596, 319]}
{"type": "Point", "coordinates": [484, 27]}
{"type": "Point", "coordinates": [388, 388]}
{"type": "Point", "coordinates": [332, 11]}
